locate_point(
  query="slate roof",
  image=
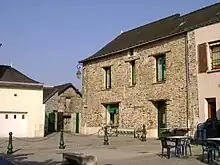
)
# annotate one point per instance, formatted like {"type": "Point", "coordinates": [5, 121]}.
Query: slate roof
{"type": "Point", "coordinates": [10, 74]}
{"type": "Point", "coordinates": [48, 92]}
{"type": "Point", "coordinates": [163, 28]}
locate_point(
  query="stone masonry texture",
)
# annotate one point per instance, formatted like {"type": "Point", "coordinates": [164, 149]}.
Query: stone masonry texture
{"type": "Point", "coordinates": [134, 101]}
{"type": "Point", "coordinates": [193, 84]}
{"type": "Point", "coordinates": [58, 103]}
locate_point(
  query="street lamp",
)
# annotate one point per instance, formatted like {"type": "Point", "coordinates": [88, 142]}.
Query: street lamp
{"type": "Point", "coordinates": [78, 73]}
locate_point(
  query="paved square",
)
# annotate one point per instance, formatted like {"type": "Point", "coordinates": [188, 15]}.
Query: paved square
{"type": "Point", "coordinates": [123, 150]}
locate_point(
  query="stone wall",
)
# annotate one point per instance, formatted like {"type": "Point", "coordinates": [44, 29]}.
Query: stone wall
{"type": "Point", "coordinates": [134, 101]}
{"type": "Point", "coordinates": [193, 84]}
{"type": "Point", "coordinates": [76, 101]}
{"type": "Point", "coordinates": [50, 106]}
{"type": "Point", "coordinates": [58, 103]}
{"type": "Point", "coordinates": [75, 106]}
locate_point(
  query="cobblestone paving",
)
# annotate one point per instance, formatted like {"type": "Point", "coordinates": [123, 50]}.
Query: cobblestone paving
{"type": "Point", "coordinates": [123, 150]}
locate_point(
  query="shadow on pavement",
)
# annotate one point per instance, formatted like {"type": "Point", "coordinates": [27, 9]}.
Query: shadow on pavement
{"type": "Point", "coordinates": [21, 159]}
{"type": "Point", "coordinates": [199, 158]}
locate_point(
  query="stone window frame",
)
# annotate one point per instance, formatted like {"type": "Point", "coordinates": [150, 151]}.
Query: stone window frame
{"type": "Point", "coordinates": [163, 71]}
{"type": "Point", "coordinates": [107, 77]}
{"type": "Point", "coordinates": [155, 56]}
{"type": "Point", "coordinates": [133, 72]}
{"type": "Point", "coordinates": [131, 52]}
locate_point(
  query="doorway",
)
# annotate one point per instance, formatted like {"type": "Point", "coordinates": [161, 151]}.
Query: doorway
{"type": "Point", "coordinates": [113, 110]}
{"type": "Point", "coordinates": [161, 107]}
{"type": "Point", "coordinates": [211, 107]}
{"type": "Point", "coordinates": [51, 122]}
{"type": "Point", "coordinates": [77, 122]}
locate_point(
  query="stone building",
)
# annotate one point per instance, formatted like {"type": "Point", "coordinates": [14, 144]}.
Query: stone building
{"type": "Point", "coordinates": [63, 108]}
{"type": "Point", "coordinates": [147, 75]}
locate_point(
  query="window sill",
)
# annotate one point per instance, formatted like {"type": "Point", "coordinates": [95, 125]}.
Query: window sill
{"type": "Point", "coordinates": [212, 71]}
{"type": "Point", "coordinates": [106, 89]}
{"type": "Point", "coordinates": [132, 86]}
{"type": "Point", "coordinates": [159, 82]}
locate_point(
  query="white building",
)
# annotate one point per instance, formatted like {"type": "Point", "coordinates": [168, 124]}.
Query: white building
{"type": "Point", "coordinates": [22, 111]}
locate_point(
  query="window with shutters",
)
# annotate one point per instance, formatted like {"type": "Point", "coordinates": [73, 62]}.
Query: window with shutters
{"type": "Point", "coordinates": [215, 55]}
{"type": "Point", "coordinates": [161, 68]}
{"type": "Point", "coordinates": [107, 77]}
{"type": "Point", "coordinates": [203, 63]}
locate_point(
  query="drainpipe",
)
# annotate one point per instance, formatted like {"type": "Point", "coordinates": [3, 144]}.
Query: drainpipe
{"type": "Point", "coordinates": [187, 80]}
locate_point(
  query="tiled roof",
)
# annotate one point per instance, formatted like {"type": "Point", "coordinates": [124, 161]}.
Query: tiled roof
{"type": "Point", "coordinates": [160, 29]}
{"type": "Point", "coordinates": [10, 74]}
{"type": "Point", "coordinates": [48, 92]}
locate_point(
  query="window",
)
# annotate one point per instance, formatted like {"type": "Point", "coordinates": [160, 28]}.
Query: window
{"type": "Point", "coordinates": [161, 68]}
{"type": "Point", "coordinates": [23, 117]}
{"type": "Point", "coordinates": [107, 77]}
{"type": "Point", "coordinates": [68, 101]}
{"type": "Point", "coordinates": [15, 116]}
{"type": "Point", "coordinates": [133, 73]}
{"type": "Point", "coordinates": [6, 116]}
{"type": "Point", "coordinates": [131, 52]}
{"type": "Point", "coordinates": [215, 55]}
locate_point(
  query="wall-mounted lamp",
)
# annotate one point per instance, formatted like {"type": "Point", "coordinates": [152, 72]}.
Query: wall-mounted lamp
{"type": "Point", "coordinates": [79, 73]}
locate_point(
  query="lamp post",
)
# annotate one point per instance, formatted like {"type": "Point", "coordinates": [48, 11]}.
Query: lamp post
{"type": "Point", "coordinates": [78, 72]}
{"type": "Point", "coordinates": [10, 146]}
{"type": "Point", "coordinates": [61, 143]}
{"type": "Point", "coordinates": [106, 135]}
{"type": "Point", "coordinates": [143, 137]}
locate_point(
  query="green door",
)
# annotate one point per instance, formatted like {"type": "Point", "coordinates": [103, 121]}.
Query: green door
{"type": "Point", "coordinates": [51, 122]}
{"type": "Point", "coordinates": [161, 117]}
{"type": "Point", "coordinates": [114, 113]}
{"type": "Point", "coordinates": [77, 122]}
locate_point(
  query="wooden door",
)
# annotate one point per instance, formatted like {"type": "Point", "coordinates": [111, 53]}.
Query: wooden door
{"type": "Point", "coordinates": [211, 107]}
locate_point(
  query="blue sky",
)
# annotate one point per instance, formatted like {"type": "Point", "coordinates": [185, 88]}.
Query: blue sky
{"type": "Point", "coordinates": [45, 39]}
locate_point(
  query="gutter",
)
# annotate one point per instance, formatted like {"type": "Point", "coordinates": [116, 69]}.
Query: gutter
{"type": "Point", "coordinates": [187, 81]}
{"type": "Point", "coordinates": [7, 83]}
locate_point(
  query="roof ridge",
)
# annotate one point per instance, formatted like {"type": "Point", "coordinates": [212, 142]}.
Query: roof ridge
{"type": "Point", "coordinates": [63, 84]}
{"type": "Point", "coordinates": [162, 28]}
{"type": "Point", "coordinates": [5, 65]}
{"type": "Point", "coordinates": [156, 21]}
{"type": "Point", "coordinates": [203, 8]}
{"type": "Point", "coordinates": [25, 75]}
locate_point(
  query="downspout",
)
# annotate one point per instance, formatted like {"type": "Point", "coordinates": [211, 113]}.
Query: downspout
{"type": "Point", "coordinates": [187, 80]}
